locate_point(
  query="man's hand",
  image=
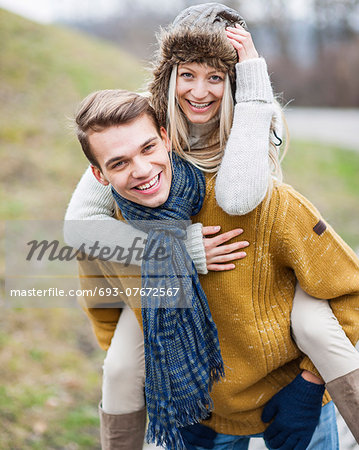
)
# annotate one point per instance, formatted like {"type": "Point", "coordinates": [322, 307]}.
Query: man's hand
{"type": "Point", "coordinates": [217, 255]}
{"type": "Point", "coordinates": [242, 42]}
{"type": "Point", "coordinates": [295, 410]}
{"type": "Point", "coordinates": [198, 435]}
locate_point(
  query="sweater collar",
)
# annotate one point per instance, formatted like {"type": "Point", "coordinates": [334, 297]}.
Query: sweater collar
{"type": "Point", "coordinates": [199, 134]}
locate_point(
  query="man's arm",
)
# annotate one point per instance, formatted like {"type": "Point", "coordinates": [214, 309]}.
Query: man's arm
{"type": "Point", "coordinates": [325, 266]}
{"type": "Point", "coordinates": [103, 319]}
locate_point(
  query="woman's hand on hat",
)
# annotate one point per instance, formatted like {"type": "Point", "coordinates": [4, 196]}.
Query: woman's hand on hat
{"type": "Point", "coordinates": [242, 42]}
{"type": "Point", "coordinates": [218, 256]}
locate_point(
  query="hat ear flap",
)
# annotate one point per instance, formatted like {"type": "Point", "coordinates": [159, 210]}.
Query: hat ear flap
{"type": "Point", "coordinates": [159, 91]}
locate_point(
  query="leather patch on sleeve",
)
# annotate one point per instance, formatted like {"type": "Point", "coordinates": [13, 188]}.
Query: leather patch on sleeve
{"type": "Point", "coordinates": [320, 227]}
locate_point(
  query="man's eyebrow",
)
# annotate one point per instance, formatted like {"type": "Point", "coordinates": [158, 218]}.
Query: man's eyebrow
{"type": "Point", "coordinates": [120, 157]}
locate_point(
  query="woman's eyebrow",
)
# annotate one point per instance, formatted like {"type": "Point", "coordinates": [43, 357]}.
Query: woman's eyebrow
{"type": "Point", "coordinates": [217, 71]}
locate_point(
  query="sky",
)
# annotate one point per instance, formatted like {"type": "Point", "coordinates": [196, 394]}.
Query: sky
{"type": "Point", "coordinates": [47, 11]}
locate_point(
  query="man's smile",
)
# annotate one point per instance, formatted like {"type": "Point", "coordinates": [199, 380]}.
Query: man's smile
{"type": "Point", "coordinates": [150, 186]}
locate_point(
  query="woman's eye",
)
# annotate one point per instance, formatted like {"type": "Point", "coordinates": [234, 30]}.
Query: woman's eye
{"type": "Point", "coordinates": [216, 78]}
{"type": "Point", "coordinates": [186, 75]}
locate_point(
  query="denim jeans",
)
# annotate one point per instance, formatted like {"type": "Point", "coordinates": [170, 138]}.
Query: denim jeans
{"type": "Point", "coordinates": [325, 436]}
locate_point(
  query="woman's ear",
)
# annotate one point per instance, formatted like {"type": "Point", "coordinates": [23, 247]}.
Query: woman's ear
{"type": "Point", "coordinates": [99, 175]}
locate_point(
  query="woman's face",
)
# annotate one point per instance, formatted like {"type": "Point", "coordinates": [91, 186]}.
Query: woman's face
{"type": "Point", "coordinates": [199, 91]}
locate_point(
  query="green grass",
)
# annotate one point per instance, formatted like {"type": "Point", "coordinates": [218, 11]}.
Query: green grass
{"type": "Point", "coordinates": [50, 369]}
{"type": "Point", "coordinates": [329, 177]}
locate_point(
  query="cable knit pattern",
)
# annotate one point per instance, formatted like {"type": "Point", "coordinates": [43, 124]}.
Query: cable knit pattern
{"type": "Point", "coordinates": [243, 178]}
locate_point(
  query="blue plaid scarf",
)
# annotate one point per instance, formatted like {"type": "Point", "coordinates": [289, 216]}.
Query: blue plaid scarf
{"type": "Point", "coordinates": [182, 353]}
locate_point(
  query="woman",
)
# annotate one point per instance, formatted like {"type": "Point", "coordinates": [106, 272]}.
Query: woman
{"type": "Point", "coordinates": [197, 134]}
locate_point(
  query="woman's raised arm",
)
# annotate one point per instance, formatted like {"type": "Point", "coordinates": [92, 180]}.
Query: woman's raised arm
{"type": "Point", "coordinates": [243, 178]}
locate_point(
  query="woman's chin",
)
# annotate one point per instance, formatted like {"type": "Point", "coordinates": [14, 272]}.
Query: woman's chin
{"type": "Point", "coordinates": [198, 119]}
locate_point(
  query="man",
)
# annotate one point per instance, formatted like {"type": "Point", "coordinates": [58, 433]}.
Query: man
{"type": "Point", "coordinates": [251, 305]}
{"type": "Point", "coordinates": [128, 149]}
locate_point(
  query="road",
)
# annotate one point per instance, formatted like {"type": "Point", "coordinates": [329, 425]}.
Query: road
{"type": "Point", "coordinates": [337, 126]}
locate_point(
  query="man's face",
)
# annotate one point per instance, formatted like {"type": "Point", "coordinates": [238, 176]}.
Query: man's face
{"type": "Point", "coordinates": [134, 159]}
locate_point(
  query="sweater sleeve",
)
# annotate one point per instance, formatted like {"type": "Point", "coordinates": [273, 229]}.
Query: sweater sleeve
{"type": "Point", "coordinates": [243, 177]}
{"type": "Point", "coordinates": [103, 320]}
{"type": "Point", "coordinates": [325, 266]}
{"type": "Point", "coordinates": [90, 218]}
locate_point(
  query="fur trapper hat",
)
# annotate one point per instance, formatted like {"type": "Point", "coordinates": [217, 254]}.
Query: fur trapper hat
{"type": "Point", "coordinates": [195, 35]}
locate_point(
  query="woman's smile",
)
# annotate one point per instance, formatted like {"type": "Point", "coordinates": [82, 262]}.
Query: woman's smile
{"type": "Point", "coordinates": [200, 107]}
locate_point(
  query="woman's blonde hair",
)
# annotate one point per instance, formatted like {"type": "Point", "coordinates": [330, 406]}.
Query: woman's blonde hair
{"type": "Point", "coordinates": [209, 158]}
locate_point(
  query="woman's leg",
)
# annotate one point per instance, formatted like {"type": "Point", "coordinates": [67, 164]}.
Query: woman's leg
{"type": "Point", "coordinates": [319, 335]}
{"type": "Point", "coordinates": [123, 413]}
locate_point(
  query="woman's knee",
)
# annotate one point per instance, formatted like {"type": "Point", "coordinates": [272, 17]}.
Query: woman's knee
{"type": "Point", "coordinates": [117, 367]}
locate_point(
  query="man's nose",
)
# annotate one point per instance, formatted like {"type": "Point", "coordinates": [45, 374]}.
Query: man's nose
{"type": "Point", "coordinates": [141, 168]}
{"type": "Point", "coordinates": [200, 89]}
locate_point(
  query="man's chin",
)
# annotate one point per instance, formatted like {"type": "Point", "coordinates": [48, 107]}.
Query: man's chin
{"type": "Point", "coordinates": [153, 203]}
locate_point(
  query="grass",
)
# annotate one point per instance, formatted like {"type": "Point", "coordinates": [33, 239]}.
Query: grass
{"type": "Point", "coordinates": [329, 177]}
{"type": "Point", "coordinates": [51, 378]}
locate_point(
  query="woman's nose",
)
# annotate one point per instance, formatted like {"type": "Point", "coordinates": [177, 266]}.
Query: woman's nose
{"type": "Point", "coordinates": [200, 90]}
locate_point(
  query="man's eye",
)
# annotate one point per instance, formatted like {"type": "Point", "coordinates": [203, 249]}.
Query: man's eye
{"type": "Point", "coordinates": [118, 164]}
{"type": "Point", "coordinates": [149, 147]}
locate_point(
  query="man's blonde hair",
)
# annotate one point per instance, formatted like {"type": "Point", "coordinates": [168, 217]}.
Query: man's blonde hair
{"type": "Point", "coordinates": [107, 108]}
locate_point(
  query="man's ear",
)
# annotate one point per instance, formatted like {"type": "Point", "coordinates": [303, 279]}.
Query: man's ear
{"type": "Point", "coordinates": [165, 138]}
{"type": "Point", "coordinates": [99, 175]}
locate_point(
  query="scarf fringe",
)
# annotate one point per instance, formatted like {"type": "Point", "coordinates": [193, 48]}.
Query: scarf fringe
{"type": "Point", "coordinates": [189, 414]}
{"type": "Point", "coordinates": [216, 371]}
{"type": "Point", "coordinates": [170, 439]}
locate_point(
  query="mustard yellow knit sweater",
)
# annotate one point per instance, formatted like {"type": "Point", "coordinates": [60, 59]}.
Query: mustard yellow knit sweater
{"type": "Point", "coordinates": [251, 305]}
